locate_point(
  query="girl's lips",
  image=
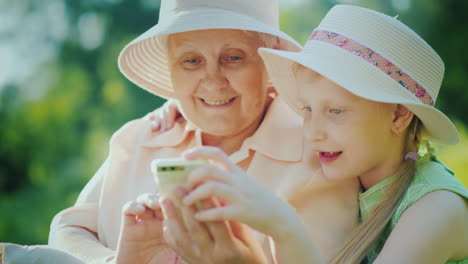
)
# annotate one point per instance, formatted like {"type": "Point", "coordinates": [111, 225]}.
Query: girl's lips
{"type": "Point", "coordinates": [328, 157]}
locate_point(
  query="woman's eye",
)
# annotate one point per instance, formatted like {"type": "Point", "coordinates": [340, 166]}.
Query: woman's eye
{"type": "Point", "coordinates": [191, 61]}
{"type": "Point", "coordinates": [336, 111]}
{"type": "Point", "coordinates": [235, 58]}
{"type": "Point", "coordinates": [307, 108]}
{"type": "Point", "coordinates": [232, 59]}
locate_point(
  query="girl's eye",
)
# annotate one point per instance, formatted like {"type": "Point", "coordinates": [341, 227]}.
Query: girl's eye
{"type": "Point", "coordinates": [336, 111]}
{"type": "Point", "coordinates": [307, 108]}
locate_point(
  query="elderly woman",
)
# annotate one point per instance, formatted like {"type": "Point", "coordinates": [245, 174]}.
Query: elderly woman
{"type": "Point", "coordinates": [204, 55]}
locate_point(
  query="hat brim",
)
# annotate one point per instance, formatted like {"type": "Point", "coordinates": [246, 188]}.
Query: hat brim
{"type": "Point", "coordinates": [358, 77]}
{"type": "Point", "coordinates": [144, 60]}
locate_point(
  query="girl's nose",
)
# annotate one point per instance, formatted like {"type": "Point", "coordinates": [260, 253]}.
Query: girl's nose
{"type": "Point", "coordinates": [314, 129]}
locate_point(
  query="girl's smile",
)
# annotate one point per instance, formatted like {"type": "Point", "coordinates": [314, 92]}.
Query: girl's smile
{"type": "Point", "coordinates": [329, 157]}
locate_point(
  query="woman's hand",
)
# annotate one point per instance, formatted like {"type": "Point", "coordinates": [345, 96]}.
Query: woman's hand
{"type": "Point", "coordinates": [141, 237]}
{"type": "Point", "coordinates": [164, 117]}
{"type": "Point", "coordinates": [217, 242]}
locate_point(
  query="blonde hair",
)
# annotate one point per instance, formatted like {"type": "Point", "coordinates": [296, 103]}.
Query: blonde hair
{"type": "Point", "coordinates": [367, 234]}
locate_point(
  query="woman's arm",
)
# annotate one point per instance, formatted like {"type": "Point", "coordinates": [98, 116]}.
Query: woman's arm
{"type": "Point", "coordinates": [433, 230]}
{"type": "Point", "coordinates": [73, 230]}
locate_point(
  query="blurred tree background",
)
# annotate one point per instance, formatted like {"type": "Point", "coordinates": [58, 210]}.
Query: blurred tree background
{"type": "Point", "coordinates": [62, 95]}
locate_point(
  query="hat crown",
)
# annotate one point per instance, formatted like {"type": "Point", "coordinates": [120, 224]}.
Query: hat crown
{"type": "Point", "coordinates": [265, 11]}
{"type": "Point", "coordinates": [377, 32]}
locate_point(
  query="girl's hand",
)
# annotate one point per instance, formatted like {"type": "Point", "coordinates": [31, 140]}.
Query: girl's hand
{"type": "Point", "coordinates": [163, 118]}
{"type": "Point", "coordinates": [219, 242]}
{"type": "Point", "coordinates": [247, 201]}
{"type": "Point", "coordinates": [141, 237]}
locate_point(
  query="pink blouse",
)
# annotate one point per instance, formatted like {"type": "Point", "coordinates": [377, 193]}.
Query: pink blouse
{"type": "Point", "coordinates": [328, 208]}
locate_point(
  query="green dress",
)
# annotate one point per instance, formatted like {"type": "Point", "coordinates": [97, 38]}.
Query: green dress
{"type": "Point", "coordinates": [430, 175]}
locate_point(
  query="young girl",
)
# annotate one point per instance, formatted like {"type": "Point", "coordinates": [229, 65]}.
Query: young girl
{"type": "Point", "coordinates": [366, 86]}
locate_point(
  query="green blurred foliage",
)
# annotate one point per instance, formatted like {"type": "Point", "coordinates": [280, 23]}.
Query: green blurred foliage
{"type": "Point", "coordinates": [52, 143]}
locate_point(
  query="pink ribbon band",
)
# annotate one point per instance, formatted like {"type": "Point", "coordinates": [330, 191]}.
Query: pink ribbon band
{"type": "Point", "coordinates": [375, 59]}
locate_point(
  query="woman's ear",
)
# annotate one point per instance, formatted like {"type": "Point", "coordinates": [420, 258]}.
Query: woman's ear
{"type": "Point", "coordinates": [402, 117]}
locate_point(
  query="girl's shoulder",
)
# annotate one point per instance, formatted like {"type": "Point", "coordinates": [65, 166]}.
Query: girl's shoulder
{"type": "Point", "coordinates": [430, 175]}
{"type": "Point", "coordinates": [435, 207]}
{"type": "Point", "coordinates": [436, 222]}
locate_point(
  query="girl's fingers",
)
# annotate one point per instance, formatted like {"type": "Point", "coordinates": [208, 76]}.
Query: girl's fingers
{"type": "Point", "coordinates": [213, 154]}
{"type": "Point", "coordinates": [206, 173]}
{"type": "Point", "coordinates": [211, 189]}
{"type": "Point", "coordinates": [229, 212]}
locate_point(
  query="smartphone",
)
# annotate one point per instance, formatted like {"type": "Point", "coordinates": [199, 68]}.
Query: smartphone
{"type": "Point", "coordinates": [169, 172]}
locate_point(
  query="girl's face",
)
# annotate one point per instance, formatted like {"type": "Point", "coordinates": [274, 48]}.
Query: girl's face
{"type": "Point", "coordinates": [351, 136]}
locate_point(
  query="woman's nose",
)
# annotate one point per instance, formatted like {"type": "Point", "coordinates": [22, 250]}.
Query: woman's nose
{"type": "Point", "coordinates": [214, 77]}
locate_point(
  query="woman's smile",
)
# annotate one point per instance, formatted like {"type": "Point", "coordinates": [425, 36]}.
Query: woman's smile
{"type": "Point", "coordinates": [217, 103]}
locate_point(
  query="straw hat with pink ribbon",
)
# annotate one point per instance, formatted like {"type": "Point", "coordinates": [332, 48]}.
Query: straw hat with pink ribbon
{"type": "Point", "coordinates": [373, 56]}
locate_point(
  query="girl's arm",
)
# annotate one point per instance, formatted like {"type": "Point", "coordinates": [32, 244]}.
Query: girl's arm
{"type": "Point", "coordinates": [250, 203]}
{"type": "Point", "coordinates": [432, 230]}
{"type": "Point", "coordinates": [293, 244]}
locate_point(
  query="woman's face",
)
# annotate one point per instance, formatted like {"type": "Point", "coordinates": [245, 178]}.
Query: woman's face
{"type": "Point", "coordinates": [219, 79]}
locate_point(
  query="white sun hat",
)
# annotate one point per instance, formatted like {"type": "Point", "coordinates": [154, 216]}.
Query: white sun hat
{"type": "Point", "coordinates": [373, 56]}
{"type": "Point", "coordinates": [144, 60]}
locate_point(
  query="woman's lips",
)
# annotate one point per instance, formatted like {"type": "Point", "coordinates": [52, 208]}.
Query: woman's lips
{"type": "Point", "coordinates": [328, 157]}
{"type": "Point", "coordinates": [217, 103]}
